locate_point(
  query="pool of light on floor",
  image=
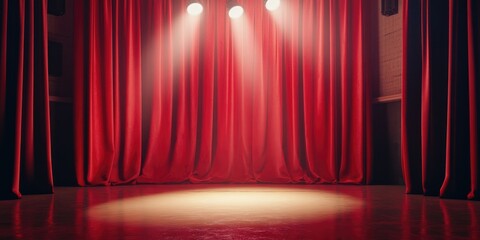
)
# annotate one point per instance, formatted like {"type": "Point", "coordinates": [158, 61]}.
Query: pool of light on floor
{"type": "Point", "coordinates": [226, 206]}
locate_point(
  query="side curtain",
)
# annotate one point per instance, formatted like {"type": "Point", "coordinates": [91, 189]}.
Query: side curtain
{"type": "Point", "coordinates": [440, 107]}
{"type": "Point", "coordinates": [25, 155]}
{"type": "Point", "coordinates": [281, 97]}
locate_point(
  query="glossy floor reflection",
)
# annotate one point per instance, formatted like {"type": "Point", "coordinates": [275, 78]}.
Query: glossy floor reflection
{"type": "Point", "coordinates": [238, 212]}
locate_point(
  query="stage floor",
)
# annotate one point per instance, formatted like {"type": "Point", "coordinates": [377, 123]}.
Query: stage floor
{"type": "Point", "coordinates": [226, 211]}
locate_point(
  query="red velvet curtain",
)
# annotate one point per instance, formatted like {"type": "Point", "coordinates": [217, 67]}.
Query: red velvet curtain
{"type": "Point", "coordinates": [25, 159]}
{"type": "Point", "coordinates": [161, 96]}
{"type": "Point", "coordinates": [441, 97]}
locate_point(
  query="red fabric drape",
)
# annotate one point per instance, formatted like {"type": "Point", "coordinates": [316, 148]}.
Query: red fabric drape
{"type": "Point", "coordinates": [25, 158]}
{"type": "Point", "coordinates": [107, 91]}
{"type": "Point", "coordinates": [441, 64]}
{"type": "Point", "coordinates": [161, 96]}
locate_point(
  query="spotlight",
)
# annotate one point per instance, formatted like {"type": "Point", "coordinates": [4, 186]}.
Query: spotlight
{"type": "Point", "coordinates": [195, 8]}
{"type": "Point", "coordinates": [235, 10]}
{"type": "Point", "coordinates": [272, 5]}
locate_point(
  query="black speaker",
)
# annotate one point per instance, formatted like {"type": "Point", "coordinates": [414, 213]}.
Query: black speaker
{"type": "Point", "coordinates": [56, 7]}
{"type": "Point", "coordinates": [389, 7]}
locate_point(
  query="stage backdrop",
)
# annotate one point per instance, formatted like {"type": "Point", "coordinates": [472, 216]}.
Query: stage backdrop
{"type": "Point", "coordinates": [441, 93]}
{"type": "Point", "coordinates": [164, 97]}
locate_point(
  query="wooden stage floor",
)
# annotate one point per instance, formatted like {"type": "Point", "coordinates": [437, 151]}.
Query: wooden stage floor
{"type": "Point", "coordinates": [260, 211]}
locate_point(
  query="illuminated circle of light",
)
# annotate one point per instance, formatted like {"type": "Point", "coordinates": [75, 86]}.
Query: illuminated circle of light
{"type": "Point", "coordinates": [195, 9]}
{"type": "Point", "coordinates": [272, 5]}
{"type": "Point", "coordinates": [235, 12]}
{"type": "Point", "coordinates": [225, 206]}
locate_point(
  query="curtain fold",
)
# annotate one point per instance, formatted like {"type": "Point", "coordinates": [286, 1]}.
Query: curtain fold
{"type": "Point", "coordinates": [163, 97]}
{"type": "Point", "coordinates": [440, 135]}
{"type": "Point", "coordinates": [25, 155]}
{"type": "Point", "coordinates": [107, 97]}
